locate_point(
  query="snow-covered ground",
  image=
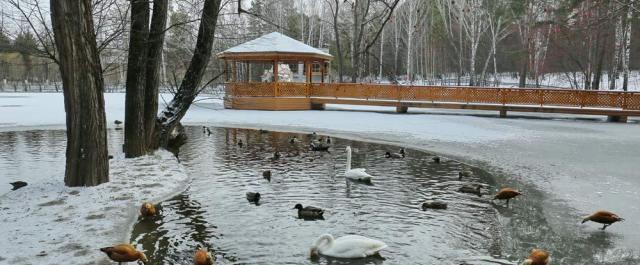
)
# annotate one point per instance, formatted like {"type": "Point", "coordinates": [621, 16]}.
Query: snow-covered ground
{"type": "Point", "coordinates": [581, 163]}
{"type": "Point", "coordinates": [49, 223]}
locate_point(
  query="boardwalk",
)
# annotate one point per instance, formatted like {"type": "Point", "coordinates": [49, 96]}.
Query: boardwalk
{"type": "Point", "coordinates": [300, 96]}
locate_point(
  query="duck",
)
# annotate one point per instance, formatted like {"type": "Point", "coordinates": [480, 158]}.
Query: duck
{"type": "Point", "coordinates": [603, 217]}
{"type": "Point", "coordinates": [436, 159]}
{"type": "Point", "coordinates": [276, 155]}
{"type": "Point", "coordinates": [328, 140]}
{"type": "Point", "coordinates": [204, 129]}
{"type": "Point", "coordinates": [263, 131]}
{"type": "Point", "coordinates": [117, 122]}
{"type": "Point", "coordinates": [464, 173]}
{"type": "Point", "coordinates": [293, 140]}
{"type": "Point", "coordinates": [506, 194]}
{"type": "Point", "coordinates": [348, 247]}
{"type": "Point", "coordinates": [434, 205]}
{"type": "Point", "coordinates": [398, 155]}
{"type": "Point", "coordinates": [253, 197]}
{"type": "Point", "coordinates": [240, 143]}
{"type": "Point", "coordinates": [202, 257]}
{"type": "Point", "coordinates": [537, 257]}
{"type": "Point", "coordinates": [147, 210]}
{"type": "Point", "coordinates": [208, 132]}
{"type": "Point", "coordinates": [266, 175]}
{"type": "Point", "coordinates": [471, 188]}
{"type": "Point", "coordinates": [308, 212]}
{"type": "Point", "coordinates": [124, 253]}
{"type": "Point", "coordinates": [318, 146]}
{"type": "Point", "coordinates": [355, 173]}
{"type": "Point", "coordinates": [110, 157]}
{"type": "Point", "coordinates": [18, 184]}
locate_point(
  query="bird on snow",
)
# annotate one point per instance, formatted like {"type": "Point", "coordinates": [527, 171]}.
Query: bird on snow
{"type": "Point", "coordinates": [18, 184]}
{"type": "Point", "coordinates": [507, 194]}
{"type": "Point", "coordinates": [537, 257]}
{"type": "Point", "coordinates": [603, 217]}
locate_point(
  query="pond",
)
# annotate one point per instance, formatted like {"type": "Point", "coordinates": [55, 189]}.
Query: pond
{"type": "Point", "coordinates": [214, 212]}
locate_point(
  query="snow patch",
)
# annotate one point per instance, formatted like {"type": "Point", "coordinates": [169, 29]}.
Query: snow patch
{"type": "Point", "coordinates": [49, 223]}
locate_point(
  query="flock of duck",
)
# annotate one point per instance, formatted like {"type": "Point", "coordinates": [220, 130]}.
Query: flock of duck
{"type": "Point", "coordinates": [348, 246]}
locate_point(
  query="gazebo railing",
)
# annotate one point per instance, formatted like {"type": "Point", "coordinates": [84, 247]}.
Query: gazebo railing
{"type": "Point", "coordinates": [467, 95]}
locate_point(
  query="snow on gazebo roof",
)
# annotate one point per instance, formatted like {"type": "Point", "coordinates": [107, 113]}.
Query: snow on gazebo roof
{"type": "Point", "coordinates": [274, 44]}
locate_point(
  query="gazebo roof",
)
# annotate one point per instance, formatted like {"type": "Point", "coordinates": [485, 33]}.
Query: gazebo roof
{"type": "Point", "coordinates": [274, 46]}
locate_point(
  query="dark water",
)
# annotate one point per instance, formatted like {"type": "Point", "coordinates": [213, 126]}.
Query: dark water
{"type": "Point", "coordinates": [214, 212]}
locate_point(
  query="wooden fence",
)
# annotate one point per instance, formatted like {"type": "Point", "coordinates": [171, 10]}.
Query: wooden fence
{"type": "Point", "coordinates": [442, 94]}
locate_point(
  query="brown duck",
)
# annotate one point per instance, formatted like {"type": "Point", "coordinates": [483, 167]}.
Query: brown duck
{"type": "Point", "coordinates": [124, 253]}
{"type": "Point", "coordinates": [147, 210]}
{"type": "Point", "coordinates": [507, 194]}
{"type": "Point", "coordinates": [537, 257]}
{"type": "Point", "coordinates": [604, 217]}
{"type": "Point", "coordinates": [202, 257]}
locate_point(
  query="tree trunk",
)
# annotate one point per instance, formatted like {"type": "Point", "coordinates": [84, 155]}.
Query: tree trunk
{"type": "Point", "coordinates": [524, 69]}
{"type": "Point", "coordinates": [170, 117]}
{"type": "Point", "coordinates": [336, 32]}
{"type": "Point", "coordinates": [154, 57]}
{"type": "Point", "coordinates": [134, 126]}
{"type": "Point", "coordinates": [86, 156]}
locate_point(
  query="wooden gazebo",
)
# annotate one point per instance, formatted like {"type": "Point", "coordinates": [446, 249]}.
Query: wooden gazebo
{"type": "Point", "coordinates": [278, 87]}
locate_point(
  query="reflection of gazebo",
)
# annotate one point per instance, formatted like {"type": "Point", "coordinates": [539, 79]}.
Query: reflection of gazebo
{"type": "Point", "coordinates": [276, 69]}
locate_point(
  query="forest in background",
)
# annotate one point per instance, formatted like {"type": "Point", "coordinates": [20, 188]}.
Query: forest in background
{"type": "Point", "coordinates": [588, 44]}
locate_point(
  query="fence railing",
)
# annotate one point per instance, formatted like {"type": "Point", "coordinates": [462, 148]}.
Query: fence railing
{"type": "Point", "coordinates": [453, 94]}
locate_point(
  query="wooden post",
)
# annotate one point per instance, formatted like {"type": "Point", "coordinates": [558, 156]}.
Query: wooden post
{"type": "Point", "coordinates": [226, 71]}
{"type": "Point", "coordinates": [308, 70]}
{"type": "Point", "coordinates": [249, 68]}
{"type": "Point", "coordinates": [234, 71]}
{"type": "Point", "coordinates": [275, 78]}
{"type": "Point", "coordinates": [322, 65]}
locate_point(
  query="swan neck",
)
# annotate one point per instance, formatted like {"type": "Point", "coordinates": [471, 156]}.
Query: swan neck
{"type": "Point", "coordinates": [324, 242]}
{"type": "Point", "coordinates": [348, 159]}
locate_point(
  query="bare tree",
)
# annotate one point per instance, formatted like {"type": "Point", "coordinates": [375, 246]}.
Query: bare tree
{"type": "Point", "coordinates": [86, 157]}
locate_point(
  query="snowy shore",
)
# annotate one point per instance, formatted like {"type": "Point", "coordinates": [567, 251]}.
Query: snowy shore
{"type": "Point", "coordinates": [580, 163]}
{"type": "Point", "coordinates": [48, 223]}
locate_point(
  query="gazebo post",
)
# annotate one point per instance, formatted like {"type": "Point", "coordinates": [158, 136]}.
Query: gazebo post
{"type": "Point", "coordinates": [307, 65]}
{"type": "Point", "coordinates": [249, 70]}
{"type": "Point", "coordinates": [275, 78]}
{"type": "Point", "coordinates": [322, 72]}
{"type": "Point", "coordinates": [226, 71]}
{"type": "Point", "coordinates": [234, 71]}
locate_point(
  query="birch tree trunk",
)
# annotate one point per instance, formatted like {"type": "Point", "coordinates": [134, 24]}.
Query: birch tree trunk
{"type": "Point", "coordinates": [83, 86]}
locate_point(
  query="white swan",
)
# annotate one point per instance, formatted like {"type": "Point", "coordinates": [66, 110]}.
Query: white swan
{"type": "Point", "coordinates": [351, 246]}
{"type": "Point", "coordinates": [355, 173]}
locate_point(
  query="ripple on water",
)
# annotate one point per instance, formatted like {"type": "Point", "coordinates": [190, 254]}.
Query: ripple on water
{"type": "Point", "coordinates": [215, 213]}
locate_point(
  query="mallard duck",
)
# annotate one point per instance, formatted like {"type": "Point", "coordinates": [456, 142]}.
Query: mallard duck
{"type": "Point", "coordinates": [266, 175]}
{"type": "Point", "coordinates": [603, 217]}
{"type": "Point", "coordinates": [202, 257]}
{"type": "Point", "coordinates": [124, 253]}
{"type": "Point", "coordinates": [309, 211]}
{"type": "Point", "coordinates": [465, 173]}
{"type": "Point", "coordinates": [349, 247]}
{"type": "Point", "coordinates": [434, 205]}
{"type": "Point", "coordinates": [18, 184]}
{"type": "Point", "coordinates": [147, 210]}
{"type": "Point", "coordinates": [117, 122]}
{"type": "Point", "coordinates": [506, 194]}
{"type": "Point", "coordinates": [436, 159]}
{"type": "Point", "coordinates": [253, 197]}
{"type": "Point", "coordinates": [319, 146]}
{"type": "Point", "coordinates": [471, 188]}
{"type": "Point", "coordinates": [398, 155]}
{"type": "Point", "coordinates": [355, 173]}
{"type": "Point", "coordinates": [110, 157]}
{"type": "Point", "coordinates": [537, 257]}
